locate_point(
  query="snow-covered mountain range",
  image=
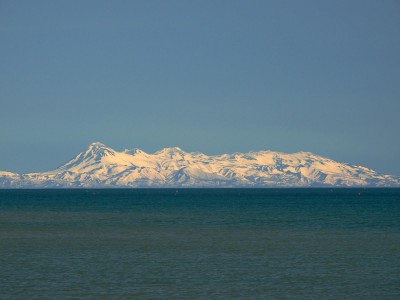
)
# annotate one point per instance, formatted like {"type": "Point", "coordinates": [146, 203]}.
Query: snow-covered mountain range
{"type": "Point", "coordinates": [101, 166]}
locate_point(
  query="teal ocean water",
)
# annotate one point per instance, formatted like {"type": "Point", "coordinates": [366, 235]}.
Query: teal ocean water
{"type": "Point", "coordinates": [200, 244]}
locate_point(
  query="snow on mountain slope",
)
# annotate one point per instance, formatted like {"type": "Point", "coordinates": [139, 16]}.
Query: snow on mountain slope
{"type": "Point", "coordinates": [101, 166]}
{"type": "Point", "coordinates": [10, 180]}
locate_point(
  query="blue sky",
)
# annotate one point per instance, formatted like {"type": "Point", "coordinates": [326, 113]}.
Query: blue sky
{"type": "Point", "coordinates": [209, 76]}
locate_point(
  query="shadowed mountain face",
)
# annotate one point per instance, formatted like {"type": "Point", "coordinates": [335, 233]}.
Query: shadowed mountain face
{"type": "Point", "coordinates": [101, 166]}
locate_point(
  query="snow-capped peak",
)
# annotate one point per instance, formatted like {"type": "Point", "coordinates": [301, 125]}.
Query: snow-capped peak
{"type": "Point", "coordinates": [96, 145]}
{"type": "Point", "coordinates": [134, 151]}
{"type": "Point", "coordinates": [102, 166]}
{"type": "Point", "coordinates": [171, 151]}
{"type": "Point", "coordinates": [98, 150]}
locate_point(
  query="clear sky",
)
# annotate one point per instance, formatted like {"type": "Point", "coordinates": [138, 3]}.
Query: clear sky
{"type": "Point", "coordinates": [210, 76]}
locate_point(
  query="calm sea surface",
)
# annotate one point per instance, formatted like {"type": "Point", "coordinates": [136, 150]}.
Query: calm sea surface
{"type": "Point", "coordinates": [200, 244]}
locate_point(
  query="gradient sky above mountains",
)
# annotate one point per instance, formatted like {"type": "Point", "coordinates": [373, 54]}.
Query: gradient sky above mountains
{"type": "Point", "coordinates": [209, 76]}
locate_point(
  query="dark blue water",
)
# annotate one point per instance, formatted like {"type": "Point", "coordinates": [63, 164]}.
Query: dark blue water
{"type": "Point", "coordinates": [200, 244]}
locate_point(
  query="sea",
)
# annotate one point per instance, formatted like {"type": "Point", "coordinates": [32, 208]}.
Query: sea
{"type": "Point", "coordinates": [200, 244]}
